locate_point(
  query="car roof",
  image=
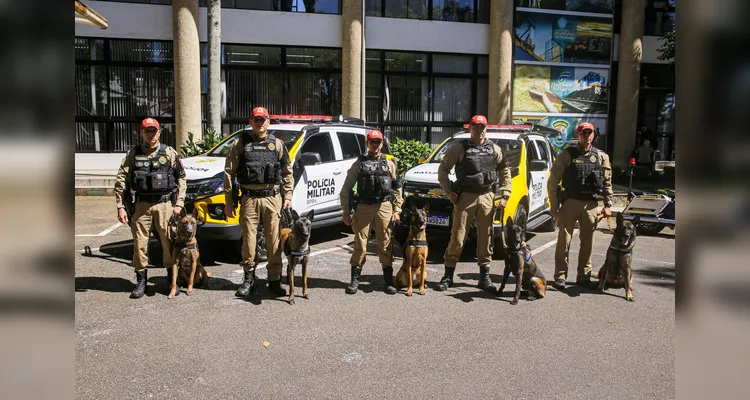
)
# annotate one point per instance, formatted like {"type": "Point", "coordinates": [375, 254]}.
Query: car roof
{"type": "Point", "coordinates": [497, 135]}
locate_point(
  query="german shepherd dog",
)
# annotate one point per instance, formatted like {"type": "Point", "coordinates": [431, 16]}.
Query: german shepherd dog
{"type": "Point", "coordinates": [414, 268]}
{"type": "Point", "coordinates": [616, 271]}
{"type": "Point", "coordinates": [295, 242]}
{"type": "Point", "coordinates": [186, 264]}
{"type": "Point", "coordinates": [518, 260]}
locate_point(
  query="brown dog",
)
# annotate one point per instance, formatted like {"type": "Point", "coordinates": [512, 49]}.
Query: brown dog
{"type": "Point", "coordinates": [518, 261]}
{"type": "Point", "coordinates": [186, 257]}
{"type": "Point", "coordinates": [616, 271]}
{"type": "Point", "coordinates": [414, 268]}
{"type": "Point", "coordinates": [295, 242]}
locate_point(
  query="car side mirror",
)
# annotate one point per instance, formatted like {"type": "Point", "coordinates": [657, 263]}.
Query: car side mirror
{"type": "Point", "coordinates": [538, 165]}
{"type": "Point", "coordinates": [309, 159]}
{"type": "Point", "coordinates": [423, 158]}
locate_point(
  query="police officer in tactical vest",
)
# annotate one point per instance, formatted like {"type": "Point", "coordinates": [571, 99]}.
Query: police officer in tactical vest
{"type": "Point", "coordinates": [480, 166]}
{"type": "Point", "coordinates": [261, 164]}
{"type": "Point", "coordinates": [586, 176]}
{"type": "Point", "coordinates": [378, 200]}
{"type": "Point", "coordinates": [151, 184]}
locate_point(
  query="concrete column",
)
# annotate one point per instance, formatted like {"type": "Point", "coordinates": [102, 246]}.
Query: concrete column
{"type": "Point", "coordinates": [351, 47]}
{"type": "Point", "coordinates": [214, 65]}
{"type": "Point", "coordinates": [187, 70]}
{"type": "Point", "coordinates": [628, 80]}
{"type": "Point", "coordinates": [501, 62]}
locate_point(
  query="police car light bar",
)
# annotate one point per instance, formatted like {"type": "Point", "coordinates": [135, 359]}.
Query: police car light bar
{"type": "Point", "coordinates": [301, 118]}
{"type": "Point", "coordinates": [504, 126]}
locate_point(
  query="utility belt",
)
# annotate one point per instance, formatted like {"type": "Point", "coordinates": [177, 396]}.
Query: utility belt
{"type": "Point", "coordinates": [260, 192]}
{"type": "Point", "coordinates": [458, 188]}
{"type": "Point", "coordinates": [155, 198]}
{"type": "Point", "coordinates": [585, 196]}
{"type": "Point", "coordinates": [373, 200]}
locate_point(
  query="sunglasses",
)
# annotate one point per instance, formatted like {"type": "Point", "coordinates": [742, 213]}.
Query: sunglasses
{"type": "Point", "coordinates": [376, 141]}
{"type": "Point", "coordinates": [151, 131]}
{"type": "Point", "coordinates": [478, 126]}
{"type": "Point", "coordinates": [259, 119]}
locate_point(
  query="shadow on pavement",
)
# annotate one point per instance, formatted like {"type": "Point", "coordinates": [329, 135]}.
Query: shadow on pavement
{"type": "Point", "coordinates": [657, 275]}
{"type": "Point", "coordinates": [113, 285]}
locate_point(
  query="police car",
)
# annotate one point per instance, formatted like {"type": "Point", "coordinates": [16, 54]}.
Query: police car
{"type": "Point", "coordinates": [321, 149]}
{"type": "Point", "coordinates": [529, 157]}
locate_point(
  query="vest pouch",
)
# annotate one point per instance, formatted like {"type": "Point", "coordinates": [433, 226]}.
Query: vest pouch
{"type": "Point", "coordinates": [473, 183]}
{"type": "Point", "coordinates": [255, 172]}
{"type": "Point", "coordinates": [159, 181]}
{"type": "Point", "coordinates": [382, 185]}
{"type": "Point", "coordinates": [490, 177]}
{"type": "Point", "coordinates": [271, 173]}
{"type": "Point", "coordinates": [140, 181]}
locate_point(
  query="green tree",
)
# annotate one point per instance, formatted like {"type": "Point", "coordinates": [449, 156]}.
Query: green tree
{"type": "Point", "coordinates": [666, 52]}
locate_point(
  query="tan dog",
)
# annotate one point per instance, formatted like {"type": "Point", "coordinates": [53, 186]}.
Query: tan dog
{"type": "Point", "coordinates": [617, 270]}
{"type": "Point", "coordinates": [414, 268]}
{"type": "Point", "coordinates": [186, 257]}
{"type": "Point", "coordinates": [295, 242]}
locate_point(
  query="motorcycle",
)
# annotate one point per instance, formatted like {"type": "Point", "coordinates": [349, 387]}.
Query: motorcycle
{"type": "Point", "coordinates": [656, 211]}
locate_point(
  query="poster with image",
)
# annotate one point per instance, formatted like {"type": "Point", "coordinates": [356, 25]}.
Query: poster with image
{"type": "Point", "coordinates": [562, 38]}
{"type": "Point", "coordinates": [590, 6]}
{"type": "Point", "coordinates": [566, 126]}
{"type": "Point", "coordinates": [561, 89]}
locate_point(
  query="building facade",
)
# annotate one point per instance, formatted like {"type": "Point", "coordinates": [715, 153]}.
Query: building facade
{"type": "Point", "coordinates": [429, 66]}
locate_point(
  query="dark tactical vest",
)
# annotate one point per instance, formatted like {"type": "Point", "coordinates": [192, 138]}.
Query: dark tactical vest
{"type": "Point", "coordinates": [477, 171]}
{"type": "Point", "coordinates": [152, 175]}
{"type": "Point", "coordinates": [374, 182]}
{"type": "Point", "coordinates": [259, 161]}
{"type": "Point", "coordinates": [583, 179]}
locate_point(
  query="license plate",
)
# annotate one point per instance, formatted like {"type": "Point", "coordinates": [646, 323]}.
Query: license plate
{"type": "Point", "coordinates": [438, 220]}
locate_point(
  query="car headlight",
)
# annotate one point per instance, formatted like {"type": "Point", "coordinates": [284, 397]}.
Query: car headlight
{"type": "Point", "coordinates": [212, 186]}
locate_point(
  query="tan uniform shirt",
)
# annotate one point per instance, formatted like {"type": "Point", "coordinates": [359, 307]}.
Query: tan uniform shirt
{"type": "Point", "coordinates": [562, 162]}
{"type": "Point", "coordinates": [129, 161]}
{"type": "Point", "coordinates": [230, 171]}
{"type": "Point", "coordinates": [455, 154]}
{"type": "Point", "coordinates": [351, 178]}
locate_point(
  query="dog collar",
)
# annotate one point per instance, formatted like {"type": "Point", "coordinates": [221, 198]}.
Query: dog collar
{"type": "Point", "coordinates": [417, 243]}
{"type": "Point", "coordinates": [628, 251]}
{"type": "Point", "coordinates": [181, 246]}
{"type": "Point", "coordinates": [300, 253]}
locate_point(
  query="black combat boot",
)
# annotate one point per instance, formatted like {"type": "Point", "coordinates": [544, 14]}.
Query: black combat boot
{"type": "Point", "coordinates": [275, 288]}
{"type": "Point", "coordinates": [447, 280]}
{"type": "Point", "coordinates": [169, 282]}
{"type": "Point", "coordinates": [247, 285]}
{"type": "Point", "coordinates": [141, 276]}
{"type": "Point", "coordinates": [388, 277]}
{"type": "Point", "coordinates": [485, 283]}
{"type": "Point", "coordinates": [354, 285]}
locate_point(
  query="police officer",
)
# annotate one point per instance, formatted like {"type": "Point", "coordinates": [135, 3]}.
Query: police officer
{"type": "Point", "coordinates": [378, 200]}
{"type": "Point", "coordinates": [479, 166]}
{"type": "Point", "coordinates": [154, 172]}
{"type": "Point", "coordinates": [586, 176]}
{"type": "Point", "coordinates": [261, 164]}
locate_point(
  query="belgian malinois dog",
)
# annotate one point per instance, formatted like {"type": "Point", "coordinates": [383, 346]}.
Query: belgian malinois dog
{"type": "Point", "coordinates": [616, 271]}
{"type": "Point", "coordinates": [414, 268]}
{"type": "Point", "coordinates": [186, 265]}
{"type": "Point", "coordinates": [295, 242]}
{"type": "Point", "coordinates": [518, 260]}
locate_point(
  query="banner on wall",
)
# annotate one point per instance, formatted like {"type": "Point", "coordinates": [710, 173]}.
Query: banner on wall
{"type": "Point", "coordinates": [561, 89]}
{"type": "Point", "coordinates": [566, 127]}
{"type": "Point", "coordinates": [562, 38]}
{"type": "Point", "coordinates": [590, 6]}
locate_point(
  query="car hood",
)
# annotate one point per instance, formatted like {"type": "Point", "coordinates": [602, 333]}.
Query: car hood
{"type": "Point", "coordinates": [202, 167]}
{"type": "Point", "coordinates": [425, 173]}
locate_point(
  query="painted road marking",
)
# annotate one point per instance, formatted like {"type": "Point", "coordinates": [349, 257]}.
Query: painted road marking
{"type": "Point", "coordinates": [104, 232]}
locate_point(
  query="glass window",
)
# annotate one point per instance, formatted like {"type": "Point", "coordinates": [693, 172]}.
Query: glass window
{"type": "Point", "coordinates": [483, 11]}
{"type": "Point", "coordinates": [542, 150]}
{"type": "Point", "coordinates": [374, 102]}
{"type": "Point", "coordinates": [453, 10]}
{"type": "Point", "coordinates": [321, 144]}
{"type": "Point", "coordinates": [452, 64]}
{"type": "Point", "coordinates": [374, 8]}
{"type": "Point", "coordinates": [141, 91]}
{"type": "Point", "coordinates": [306, 6]}
{"type": "Point", "coordinates": [483, 65]}
{"type": "Point", "coordinates": [314, 93]}
{"type": "Point", "coordinates": [91, 90]}
{"type": "Point", "coordinates": [452, 99]}
{"type": "Point", "coordinates": [247, 89]}
{"type": "Point", "coordinates": [91, 136]}
{"type": "Point", "coordinates": [406, 133]}
{"type": "Point", "coordinates": [408, 98]}
{"type": "Point", "coordinates": [511, 150]}
{"type": "Point", "coordinates": [413, 9]}
{"type": "Point", "coordinates": [350, 146]}
{"type": "Point", "coordinates": [141, 51]}
{"type": "Point", "coordinates": [305, 57]}
{"type": "Point", "coordinates": [239, 54]}
{"type": "Point", "coordinates": [482, 96]}
{"type": "Point", "coordinates": [399, 61]}
{"type": "Point", "coordinates": [89, 49]}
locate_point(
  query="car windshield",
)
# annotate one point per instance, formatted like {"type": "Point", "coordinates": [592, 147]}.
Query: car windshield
{"type": "Point", "coordinates": [289, 137]}
{"type": "Point", "coordinates": [511, 150]}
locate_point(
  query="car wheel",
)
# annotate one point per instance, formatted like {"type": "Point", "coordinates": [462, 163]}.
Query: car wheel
{"type": "Point", "coordinates": [649, 228]}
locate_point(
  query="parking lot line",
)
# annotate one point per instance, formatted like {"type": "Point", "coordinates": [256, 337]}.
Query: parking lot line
{"type": "Point", "coordinates": [104, 232]}
{"type": "Point", "coordinates": [283, 261]}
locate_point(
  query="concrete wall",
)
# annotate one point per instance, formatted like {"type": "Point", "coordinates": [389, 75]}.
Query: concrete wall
{"type": "Point", "coordinates": [429, 36]}
{"type": "Point", "coordinates": [87, 162]}
{"type": "Point", "coordinates": [651, 46]}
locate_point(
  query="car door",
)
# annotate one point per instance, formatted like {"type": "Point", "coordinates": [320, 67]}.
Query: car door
{"type": "Point", "coordinates": [316, 188]}
{"type": "Point", "coordinates": [352, 144]}
{"type": "Point", "coordinates": [545, 153]}
{"type": "Point", "coordinates": [537, 179]}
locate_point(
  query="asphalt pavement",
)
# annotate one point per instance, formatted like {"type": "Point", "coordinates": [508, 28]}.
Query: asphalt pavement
{"type": "Point", "coordinates": [461, 343]}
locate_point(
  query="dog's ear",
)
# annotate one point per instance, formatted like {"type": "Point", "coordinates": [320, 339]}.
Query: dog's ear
{"type": "Point", "coordinates": [635, 220]}
{"type": "Point", "coordinates": [183, 212]}
{"type": "Point", "coordinates": [509, 221]}
{"type": "Point", "coordinates": [294, 214]}
{"type": "Point", "coordinates": [620, 219]}
{"type": "Point", "coordinates": [311, 215]}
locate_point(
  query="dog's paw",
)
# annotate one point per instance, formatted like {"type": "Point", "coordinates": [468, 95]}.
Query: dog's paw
{"type": "Point", "coordinates": [421, 292]}
{"type": "Point", "coordinates": [630, 298]}
{"type": "Point", "coordinates": [531, 298]}
{"type": "Point", "coordinates": [188, 292]}
{"type": "Point", "coordinates": [306, 295]}
{"type": "Point", "coordinates": [409, 294]}
{"type": "Point", "coordinates": [291, 302]}
{"type": "Point", "coordinates": [514, 302]}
